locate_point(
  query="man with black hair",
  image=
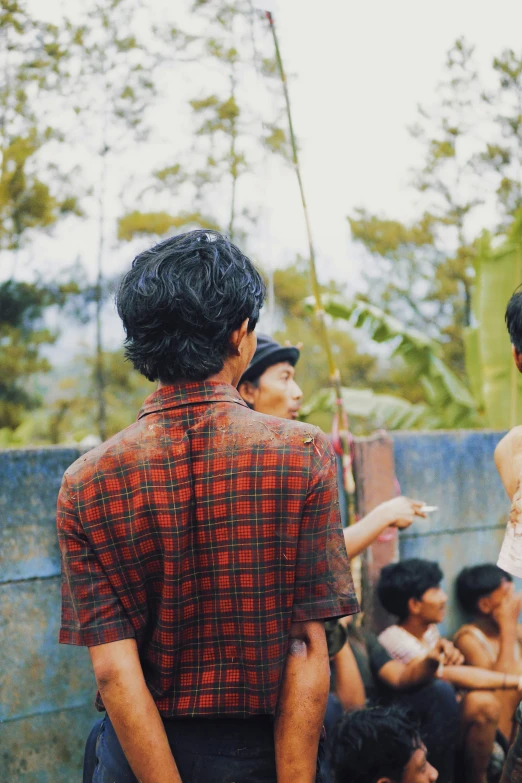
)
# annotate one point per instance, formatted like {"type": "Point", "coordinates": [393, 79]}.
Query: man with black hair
{"type": "Point", "coordinates": [492, 639]}
{"type": "Point", "coordinates": [411, 590]}
{"type": "Point", "coordinates": [379, 745]}
{"type": "Point", "coordinates": [201, 547]}
{"type": "Point", "coordinates": [482, 588]}
{"type": "Point", "coordinates": [268, 384]}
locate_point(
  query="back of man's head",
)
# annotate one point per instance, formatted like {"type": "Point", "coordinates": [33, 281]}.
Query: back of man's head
{"type": "Point", "coordinates": [181, 301]}
{"type": "Point", "coordinates": [478, 582]}
{"type": "Point", "coordinates": [398, 582]}
{"type": "Point", "coordinates": [373, 744]}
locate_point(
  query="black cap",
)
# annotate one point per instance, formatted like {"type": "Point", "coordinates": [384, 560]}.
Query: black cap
{"type": "Point", "coordinates": [269, 352]}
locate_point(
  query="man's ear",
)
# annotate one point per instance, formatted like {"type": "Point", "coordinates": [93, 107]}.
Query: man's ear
{"type": "Point", "coordinates": [484, 605]}
{"type": "Point", "coordinates": [517, 357]}
{"type": "Point", "coordinates": [414, 606]}
{"type": "Point", "coordinates": [247, 390]}
{"type": "Point", "coordinates": [385, 780]}
{"type": "Point", "coordinates": [237, 338]}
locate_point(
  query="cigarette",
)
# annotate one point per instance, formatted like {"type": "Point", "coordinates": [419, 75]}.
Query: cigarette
{"type": "Point", "coordinates": [428, 509]}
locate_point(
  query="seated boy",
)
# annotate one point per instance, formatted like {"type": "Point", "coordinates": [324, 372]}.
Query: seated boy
{"type": "Point", "coordinates": [411, 590]}
{"type": "Point", "coordinates": [364, 674]}
{"type": "Point", "coordinates": [379, 746]}
{"type": "Point", "coordinates": [492, 639]}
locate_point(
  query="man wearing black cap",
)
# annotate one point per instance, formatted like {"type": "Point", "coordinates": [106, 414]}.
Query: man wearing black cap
{"type": "Point", "coordinates": [268, 385]}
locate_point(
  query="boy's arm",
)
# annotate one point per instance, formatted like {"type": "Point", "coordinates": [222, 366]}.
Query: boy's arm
{"type": "Point", "coordinates": [401, 676]}
{"type": "Point", "coordinates": [473, 678]}
{"type": "Point", "coordinates": [349, 687]}
{"type": "Point", "coordinates": [132, 711]}
{"type": "Point", "coordinates": [302, 703]}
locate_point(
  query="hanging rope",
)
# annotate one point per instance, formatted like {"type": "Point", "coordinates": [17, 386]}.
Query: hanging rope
{"type": "Point", "coordinates": [340, 432]}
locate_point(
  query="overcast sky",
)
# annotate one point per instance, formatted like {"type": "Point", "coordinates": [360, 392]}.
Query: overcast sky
{"type": "Point", "coordinates": [360, 70]}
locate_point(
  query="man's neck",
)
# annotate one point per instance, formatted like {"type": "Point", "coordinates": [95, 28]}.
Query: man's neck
{"type": "Point", "coordinates": [227, 375]}
{"type": "Point", "coordinates": [416, 626]}
{"type": "Point", "coordinates": [487, 625]}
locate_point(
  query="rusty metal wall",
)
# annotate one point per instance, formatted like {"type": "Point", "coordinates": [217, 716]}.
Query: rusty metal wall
{"type": "Point", "coordinates": [375, 477]}
{"type": "Point", "coordinates": [46, 689]}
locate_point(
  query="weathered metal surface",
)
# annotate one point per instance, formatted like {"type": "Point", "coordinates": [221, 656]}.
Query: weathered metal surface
{"type": "Point", "coordinates": [45, 748]}
{"type": "Point", "coordinates": [454, 471]}
{"type": "Point", "coordinates": [37, 674]}
{"type": "Point", "coordinates": [46, 690]}
{"type": "Point", "coordinates": [375, 476]}
{"type": "Point", "coordinates": [29, 483]}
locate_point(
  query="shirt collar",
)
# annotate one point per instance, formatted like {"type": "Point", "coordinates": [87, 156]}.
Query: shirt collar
{"type": "Point", "coordinates": [189, 393]}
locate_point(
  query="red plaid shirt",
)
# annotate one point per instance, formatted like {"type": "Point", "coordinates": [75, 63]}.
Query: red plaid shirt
{"type": "Point", "coordinates": [203, 530]}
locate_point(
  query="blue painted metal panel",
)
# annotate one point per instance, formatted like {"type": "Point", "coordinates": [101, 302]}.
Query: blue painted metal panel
{"type": "Point", "coordinates": [29, 484]}
{"type": "Point", "coordinates": [38, 674]}
{"type": "Point", "coordinates": [456, 472]}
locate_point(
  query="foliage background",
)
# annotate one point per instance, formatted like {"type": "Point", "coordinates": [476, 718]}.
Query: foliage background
{"type": "Point", "coordinates": [86, 141]}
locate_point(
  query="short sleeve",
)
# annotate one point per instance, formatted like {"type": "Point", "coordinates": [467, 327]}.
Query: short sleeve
{"type": "Point", "coordinates": [323, 581]}
{"type": "Point", "coordinates": [92, 614]}
{"type": "Point", "coordinates": [378, 655]}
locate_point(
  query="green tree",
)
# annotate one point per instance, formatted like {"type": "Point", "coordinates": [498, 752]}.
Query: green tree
{"type": "Point", "coordinates": [502, 156]}
{"type": "Point", "coordinates": [423, 272]}
{"type": "Point", "coordinates": [71, 407]}
{"type": "Point", "coordinates": [232, 133]}
{"type": "Point", "coordinates": [32, 197]}
{"type": "Point", "coordinates": [23, 332]}
{"type": "Point", "coordinates": [298, 324]}
{"type": "Point", "coordinates": [112, 91]}
{"type": "Point", "coordinates": [32, 66]}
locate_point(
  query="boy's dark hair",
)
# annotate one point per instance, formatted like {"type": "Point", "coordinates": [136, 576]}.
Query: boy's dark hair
{"type": "Point", "coordinates": [373, 743]}
{"type": "Point", "coordinates": [514, 320]}
{"type": "Point", "coordinates": [477, 581]}
{"type": "Point", "coordinates": [180, 302]}
{"type": "Point", "coordinates": [399, 582]}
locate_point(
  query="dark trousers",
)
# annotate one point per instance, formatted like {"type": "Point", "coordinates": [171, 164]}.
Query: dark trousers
{"type": "Point", "coordinates": [206, 751]}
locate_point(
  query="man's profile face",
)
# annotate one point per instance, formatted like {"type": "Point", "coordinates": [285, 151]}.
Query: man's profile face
{"type": "Point", "coordinates": [276, 392]}
{"type": "Point", "coordinates": [418, 769]}
{"type": "Point", "coordinates": [432, 605]}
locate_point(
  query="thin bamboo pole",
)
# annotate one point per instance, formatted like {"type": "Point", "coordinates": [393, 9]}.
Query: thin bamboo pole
{"type": "Point", "coordinates": [333, 371]}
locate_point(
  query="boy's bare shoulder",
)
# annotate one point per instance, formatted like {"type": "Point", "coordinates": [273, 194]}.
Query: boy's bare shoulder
{"type": "Point", "coordinates": [510, 444]}
{"type": "Point", "coordinates": [508, 459]}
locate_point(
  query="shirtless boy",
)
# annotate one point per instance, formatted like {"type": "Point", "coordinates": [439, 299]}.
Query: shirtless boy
{"type": "Point", "coordinates": [493, 639]}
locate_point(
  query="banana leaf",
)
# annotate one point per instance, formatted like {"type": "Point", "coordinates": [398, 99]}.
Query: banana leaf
{"type": "Point", "coordinates": [377, 410]}
{"type": "Point", "coordinates": [488, 351]}
{"type": "Point", "coordinates": [450, 403]}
